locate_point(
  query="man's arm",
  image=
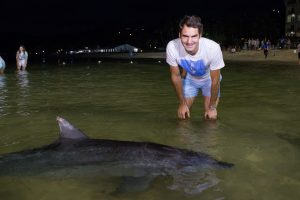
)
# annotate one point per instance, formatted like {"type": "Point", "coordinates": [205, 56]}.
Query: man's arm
{"type": "Point", "coordinates": [211, 112]}
{"type": "Point", "coordinates": [215, 85]}
{"type": "Point", "coordinates": [183, 110]}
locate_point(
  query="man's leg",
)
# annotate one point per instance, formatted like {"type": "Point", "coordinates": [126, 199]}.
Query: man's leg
{"type": "Point", "coordinates": [190, 92]}
{"type": "Point", "coordinates": [190, 101]}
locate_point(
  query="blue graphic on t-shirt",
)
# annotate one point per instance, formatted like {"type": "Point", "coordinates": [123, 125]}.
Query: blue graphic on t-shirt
{"type": "Point", "coordinates": [195, 68]}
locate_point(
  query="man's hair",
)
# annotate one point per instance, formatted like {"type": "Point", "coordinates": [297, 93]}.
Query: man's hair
{"type": "Point", "coordinates": [193, 21]}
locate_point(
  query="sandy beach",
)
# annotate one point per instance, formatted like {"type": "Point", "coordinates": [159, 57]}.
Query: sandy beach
{"type": "Point", "coordinates": [286, 55]}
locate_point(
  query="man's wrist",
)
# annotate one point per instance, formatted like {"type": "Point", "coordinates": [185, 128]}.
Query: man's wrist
{"type": "Point", "coordinates": [212, 107]}
{"type": "Point", "coordinates": [182, 102]}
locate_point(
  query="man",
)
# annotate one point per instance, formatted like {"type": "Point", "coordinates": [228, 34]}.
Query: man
{"type": "Point", "coordinates": [195, 64]}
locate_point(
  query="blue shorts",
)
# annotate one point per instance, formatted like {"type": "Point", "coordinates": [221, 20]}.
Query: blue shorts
{"type": "Point", "coordinates": [192, 87]}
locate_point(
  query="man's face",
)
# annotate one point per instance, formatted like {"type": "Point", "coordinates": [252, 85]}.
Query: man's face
{"type": "Point", "coordinates": [190, 39]}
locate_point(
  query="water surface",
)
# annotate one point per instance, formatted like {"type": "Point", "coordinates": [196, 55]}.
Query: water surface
{"type": "Point", "coordinates": [257, 130]}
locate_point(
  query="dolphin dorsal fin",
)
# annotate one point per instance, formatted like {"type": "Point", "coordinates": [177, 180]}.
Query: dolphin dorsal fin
{"type": "Point", "coordinates": [68, 131]}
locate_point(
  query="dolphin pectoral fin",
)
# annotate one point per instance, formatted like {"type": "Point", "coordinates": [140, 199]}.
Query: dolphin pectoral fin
{"type": "Point", "coordinates": [134, 184]}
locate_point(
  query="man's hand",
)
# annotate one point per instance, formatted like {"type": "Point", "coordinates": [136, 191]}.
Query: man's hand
{"type": "Point", "coordinates": [211, 114]}
{"type": "Point", "coordinates": [183, 111]}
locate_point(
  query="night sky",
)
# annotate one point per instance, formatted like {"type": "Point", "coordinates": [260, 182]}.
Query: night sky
{"type": "Point", "coordinates": [63, 22]}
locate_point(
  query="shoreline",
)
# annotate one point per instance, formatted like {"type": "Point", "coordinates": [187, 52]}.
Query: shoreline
{"type": "Point", "coordinates": [277, 55]}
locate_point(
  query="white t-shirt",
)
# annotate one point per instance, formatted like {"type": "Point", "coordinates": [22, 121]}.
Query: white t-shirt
{"type": "Point", "coordinates": [198, 66]}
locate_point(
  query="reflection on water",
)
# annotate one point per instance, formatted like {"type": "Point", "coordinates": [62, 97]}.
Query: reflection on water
{"type": "Point", "coordinates": [200, 135]}
{"type": "Point", "coordinates": [2, 81]}
{"type": "Point", "coordinates": [3, 95]}
{"type": "Point", "coordinates": [195, 183]}
{"type": "Point", "coordinates": [22, 77]}
{"type": "Point", "coordinates": [24, 93]}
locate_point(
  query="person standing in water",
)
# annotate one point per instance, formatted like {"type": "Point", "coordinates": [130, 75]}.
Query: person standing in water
{"type": "Point", "coordinates": [21, 58]}
{"type": "Point", "coordinates": [2, 65]}
{"type": "Point", "coordinates": [195, 64]}
{"type": "Point", "coordinates": [298, 52]}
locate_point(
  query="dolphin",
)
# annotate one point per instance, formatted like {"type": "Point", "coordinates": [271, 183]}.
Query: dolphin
{"type": "Point", "coordinates": [74, 154]}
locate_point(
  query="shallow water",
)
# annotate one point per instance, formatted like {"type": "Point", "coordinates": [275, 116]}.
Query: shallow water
{"type": "Point", "coordinates": [257, 130]}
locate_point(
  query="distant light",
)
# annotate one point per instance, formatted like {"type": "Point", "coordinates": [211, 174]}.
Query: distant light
{"type": "Point", "coordinates": [36, 53]}
{"type": "Point", "coordinates": [119, 32]}
{"type": "Point", "coordinates": [43, 51]}
{"type": "Point", "coordinates": [130, 34]}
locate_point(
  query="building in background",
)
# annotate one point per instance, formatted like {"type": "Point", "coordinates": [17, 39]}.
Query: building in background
{"type": "Point", "coordinates": [292, 19]}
